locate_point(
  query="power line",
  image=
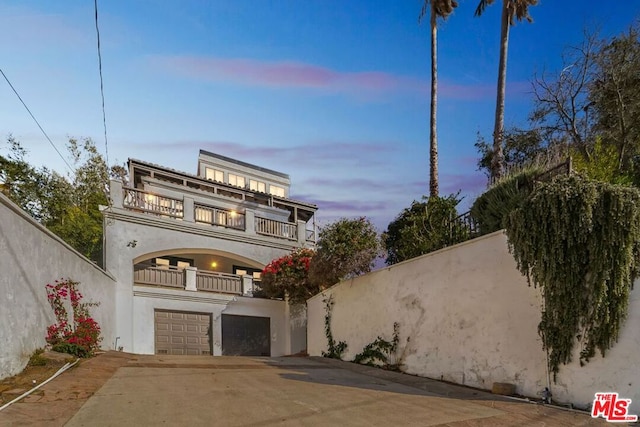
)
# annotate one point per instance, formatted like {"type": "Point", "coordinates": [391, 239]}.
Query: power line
{"type": "Point", "coordinates": [104, 115]}
{"type": "Point", "coordinates": [35, 120]}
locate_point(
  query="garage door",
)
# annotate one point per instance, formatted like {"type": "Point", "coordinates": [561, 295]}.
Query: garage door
{"type": "Point", "coordinates": [180, 332]}
{"type": "Point", "coordinates": [246, 336]}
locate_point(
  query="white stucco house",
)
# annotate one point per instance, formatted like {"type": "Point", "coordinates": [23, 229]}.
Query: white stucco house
{"type": "Point", "coordinates": [186, 251]}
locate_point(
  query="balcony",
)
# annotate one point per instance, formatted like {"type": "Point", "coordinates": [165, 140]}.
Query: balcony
{"type": "Point", "coordinates": [188, 210]}
{"type": "Point", "coordinates": [192, 279]}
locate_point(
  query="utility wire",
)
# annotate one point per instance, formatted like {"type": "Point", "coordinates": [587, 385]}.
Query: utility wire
{"type": "Point", "coordinates": [38, 123]}
{"type": "Point", "coordinates": [104, 115]}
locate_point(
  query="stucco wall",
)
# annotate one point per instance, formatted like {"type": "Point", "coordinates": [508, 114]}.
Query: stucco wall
{"type": "Point", "coordinates": [147, 299]}
{"type": "Point", "coordinates": [32, 257]}
{"type": "Point", "coordinates": [154, 236]}
{"type": "Point", "coordinates": [471, 319]}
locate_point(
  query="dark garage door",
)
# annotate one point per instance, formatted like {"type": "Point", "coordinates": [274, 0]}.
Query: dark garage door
{"type": "Point", "coordinates": [246, 335]}
{"type": "Point", "coordinates": [180, 332]}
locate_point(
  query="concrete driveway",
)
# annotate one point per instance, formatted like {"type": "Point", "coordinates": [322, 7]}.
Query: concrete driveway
{"type": "Point", "coordinates": [236, 391]}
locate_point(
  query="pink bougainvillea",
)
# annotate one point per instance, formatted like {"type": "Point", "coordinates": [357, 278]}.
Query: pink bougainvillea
{"type": "Point", "coordinates": [289, 274]}
{"type": "Point", "coordinates": [78, 334]}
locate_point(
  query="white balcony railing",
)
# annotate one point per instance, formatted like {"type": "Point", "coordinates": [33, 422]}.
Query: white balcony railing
{"type": "Point", "coordinates": [218, 282]}
{"type": "Point", "coordinates": [271, 227]}
{"type": "Point", "coordinates": [152, 203]}
{"type": "Point", "coordinates": [174, 277]}
{"type": "Point", "coordinates": [214, 216]}
{"type": "Point", "coordinates": [159, 275]}
{"type": "Point", "coordinates": [167, 207]}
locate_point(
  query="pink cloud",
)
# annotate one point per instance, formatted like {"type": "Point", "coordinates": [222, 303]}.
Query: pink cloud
{"type": "Point", "coordinates": [468, 183]}
{"type": "Point", "coordinates": [300, 75]}
{"type": "Point", "coordinates": [22, 27]}
{"type": "Point", "coordinates": [318, 152]}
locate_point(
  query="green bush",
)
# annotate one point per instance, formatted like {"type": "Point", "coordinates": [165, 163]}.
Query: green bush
{"type": "Point", "coordinates": [492, 208]}
{"type": "Point", "coordinates": [73, 349]}
{"type": "Point", "coordinates": [424, 227]}
{"type": "Point", "coordinates": [37, 359]}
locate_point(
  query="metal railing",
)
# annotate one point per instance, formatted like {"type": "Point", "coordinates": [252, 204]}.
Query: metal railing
{"type": "Point", "coordinates": [214, 216]}
{"type": "Point", "coordinates": [162, 275]}
{"type": "Point", "coordinates": [564, 168]}
{"type": "Point", "coordinates": [218, 282]}
{"type": "Point", "coordinates": [470, 226]}
{"type": "Point", "coordinates": [271, 227]}
{"type": "Point", "coordinates": [152, 203]}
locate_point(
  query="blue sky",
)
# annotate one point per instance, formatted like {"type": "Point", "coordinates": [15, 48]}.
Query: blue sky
{"type": "Point", "coordinates": [334, 93]}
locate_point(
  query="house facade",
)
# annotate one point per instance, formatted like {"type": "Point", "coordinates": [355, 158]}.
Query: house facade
{"type": "Point", "coordinates": [187, 250]}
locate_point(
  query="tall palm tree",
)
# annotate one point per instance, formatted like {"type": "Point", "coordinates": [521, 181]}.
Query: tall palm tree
{"type": "Point", "coordinates": [442, 9]}
{"type": "Point", "coordinates": [512, 10]}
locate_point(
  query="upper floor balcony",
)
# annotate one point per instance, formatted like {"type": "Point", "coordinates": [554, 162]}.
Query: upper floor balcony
{"type": "Point", "coordinates": [208, 213]}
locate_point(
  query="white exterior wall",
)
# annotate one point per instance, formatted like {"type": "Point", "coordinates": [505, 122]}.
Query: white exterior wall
{"type": "Point", "coordinates": [134, 319]}
{"type": "Point", "coordinates": [148, 299]}
{"type": "Point", "coordinates": [471, 319]}
{"type": "Point", "coordinates": [31, 257]}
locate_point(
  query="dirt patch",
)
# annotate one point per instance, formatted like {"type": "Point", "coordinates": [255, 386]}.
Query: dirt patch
{"type": "Point", "coordinates": [35, 373]}
{"type": "Point", "coordinates": [57, 401]}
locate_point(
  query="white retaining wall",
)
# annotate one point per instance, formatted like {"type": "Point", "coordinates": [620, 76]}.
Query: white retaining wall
{"type": "Point", "coordinates": [30, 257]}
{"type": "Point", "coordinates": [466, 315]}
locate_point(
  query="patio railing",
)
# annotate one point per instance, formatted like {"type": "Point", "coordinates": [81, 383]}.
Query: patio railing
{"type": "Point", "coordinates": [155, 204]}
{"type": "Point", "coordinates": [214, 216]}
{"type": "Point", "coordinates": [218, 282]}
{"type": "Point", "coordinates": [152, 203]}
{"type": "Point", "coordinates": [174, 277]}
{"type": "Point", "coordinates": [164, 275]}
{"type": "Point", "coordinates": [271, 227]}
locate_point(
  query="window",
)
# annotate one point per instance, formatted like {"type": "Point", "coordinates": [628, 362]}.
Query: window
{"type": "Point", "coordinates": [162, 263]}
{"type": "Point", "coordinates": [182, 264]}
{"type": "Point", "coordinates": [236, 180]}
{"type": "Point", "coordinates": [257, 186]}
{"type": "Point", "coordinates": [214, 175]}
{"type": "Point", "coordinates": [276, 191]}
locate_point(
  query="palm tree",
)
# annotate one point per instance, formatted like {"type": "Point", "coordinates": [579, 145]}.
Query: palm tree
{"type": "Point", "coordinates": [512, 10]}
{"type": "Point", "coordinates": [442, 9]}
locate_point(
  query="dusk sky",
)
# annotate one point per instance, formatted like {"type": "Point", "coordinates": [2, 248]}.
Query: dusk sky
{"type": "Point", "coordinates": [334, 93]}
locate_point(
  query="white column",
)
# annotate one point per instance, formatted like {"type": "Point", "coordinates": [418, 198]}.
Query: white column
{"type": "Point", "coordinates": [247, 286]}
{"type": "Point", "coordinates": [250, 221]}
{"type": "Point", "coordinates": [188, 209]}
{"type": "Point", "coordinates": [302, 233]}
{"type": "Point", "coordinates": [190, 281]}
{"type": "Point", "coordinates": [115, 193]}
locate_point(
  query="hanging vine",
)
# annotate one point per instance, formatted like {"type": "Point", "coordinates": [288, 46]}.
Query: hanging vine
{"type": "Point", "coordinates": [578, 240]}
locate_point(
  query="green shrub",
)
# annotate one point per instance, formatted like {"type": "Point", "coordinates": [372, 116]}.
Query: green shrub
{"type": "Point", "coordinates": [491, 209]}
{"type": "Point", "coordinates": [424, 227]}
{"type": "Point", "coordinates": [37, 359]}
{"type": "Point", "coordinates": [73, 349]}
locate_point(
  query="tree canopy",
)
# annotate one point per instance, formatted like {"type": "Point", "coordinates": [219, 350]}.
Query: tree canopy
{"type": "Point", "coordinates": [423, 227]}
{"type": "Point", "coordinates": [589, 109]}
{"type": "Point", "coordinates": [346, 248]}
{"type": "Point", "coordinates": [67, 205]}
